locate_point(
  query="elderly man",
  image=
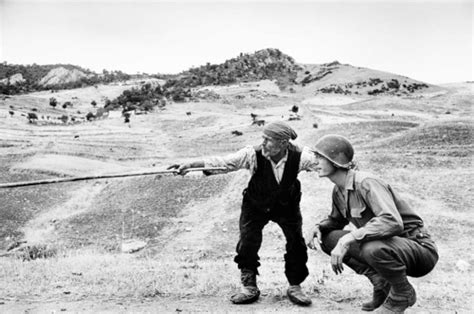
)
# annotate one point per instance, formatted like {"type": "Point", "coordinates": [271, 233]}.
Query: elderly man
{"type": "Point", "coordinates": [273, 194]}
{"type": "Point", "coordinates": [389, 241]}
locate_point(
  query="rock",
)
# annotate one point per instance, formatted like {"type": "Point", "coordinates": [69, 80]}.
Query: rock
{"type": "Point", "coordinates": [15, 78]}
{"type": "Point", "coordinates": [132, 245]}
{"type": "Point", "coordinates": [14, 245]}
{"type": "Point", "coordinates": [62, 75]}
{"type": "Point", "coordinates": [463, 265]}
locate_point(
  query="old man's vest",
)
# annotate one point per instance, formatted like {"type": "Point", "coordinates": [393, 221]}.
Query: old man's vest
{"type": "Point", "coordinates": [263, 191]}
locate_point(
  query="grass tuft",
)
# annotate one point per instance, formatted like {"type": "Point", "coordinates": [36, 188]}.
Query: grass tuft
{"type": "Point", "coordinates": [32, 252]}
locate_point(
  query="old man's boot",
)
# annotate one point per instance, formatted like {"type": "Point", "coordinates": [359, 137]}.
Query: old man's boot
{"type": "Point", "coordinates": [249, 292]}
{"type": "Point", "coordinates": [381, 290]}
{"type": "Point", "coordinates": [402, 295]}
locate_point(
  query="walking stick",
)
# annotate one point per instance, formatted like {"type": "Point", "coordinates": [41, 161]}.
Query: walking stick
{"type": "Point", "coordinates": [105, 176]}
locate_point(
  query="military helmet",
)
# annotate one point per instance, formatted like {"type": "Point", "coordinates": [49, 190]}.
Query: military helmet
{"type": "Point", "coordinates": [336, 149]}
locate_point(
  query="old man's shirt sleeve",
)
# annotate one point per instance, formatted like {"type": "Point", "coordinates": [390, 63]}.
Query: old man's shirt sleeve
{"type": "Point", "coordinates": [387, 221]}
{"type": "Point", "coordinates": [244, 158]}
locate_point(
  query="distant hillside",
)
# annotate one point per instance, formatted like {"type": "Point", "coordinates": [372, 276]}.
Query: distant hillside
{"type": "Point", "coordinates": [272, 64]}
{"type": "Point", "coordinates": [267, 64]}
{"type": "Point", "coordinates": [15, 78]}
{"type": "Point", "coordinates": [264, 64]}
{"type": "Point", "coordinates": [337, 78]}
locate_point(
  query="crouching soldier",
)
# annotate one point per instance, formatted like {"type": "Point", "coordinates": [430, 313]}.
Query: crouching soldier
{"type": "Point", "coordinates": [273, 194]}
{"type": "Point", "coordinates": [389, 241]}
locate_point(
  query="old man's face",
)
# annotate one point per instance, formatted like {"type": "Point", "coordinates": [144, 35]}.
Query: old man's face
{"type": "Point", "coordinates": [272, 147]}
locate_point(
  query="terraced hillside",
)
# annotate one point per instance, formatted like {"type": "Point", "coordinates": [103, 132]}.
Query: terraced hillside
{"type": "Point", "coordinates": [421, 143]}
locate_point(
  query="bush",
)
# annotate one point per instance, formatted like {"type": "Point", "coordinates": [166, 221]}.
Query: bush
{"type": "Point", "coordinates": [32, 117]}
{"type": "Point", "coordinates": [33, 252]}
{"type": "Point", "coordinates": [53, 102]}
{"type": "Point", "coordinates": [90, 116]}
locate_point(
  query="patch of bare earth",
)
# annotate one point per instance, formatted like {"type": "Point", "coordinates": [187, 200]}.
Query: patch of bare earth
{"type": "Point", "coordinates": [421, 144]}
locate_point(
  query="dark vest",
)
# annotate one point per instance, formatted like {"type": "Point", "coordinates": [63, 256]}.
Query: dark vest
{"type": "Point", "coordinates": [264, 192]}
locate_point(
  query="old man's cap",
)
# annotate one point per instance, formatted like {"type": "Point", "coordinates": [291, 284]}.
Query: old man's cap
{"type": "Point", "coordinates": [280, 131]}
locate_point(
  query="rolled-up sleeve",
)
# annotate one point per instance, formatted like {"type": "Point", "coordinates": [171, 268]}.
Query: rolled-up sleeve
{"type": "Point", "coordinates": [244, 158]}
{"type": "Point", "coordinates": [387, 221]}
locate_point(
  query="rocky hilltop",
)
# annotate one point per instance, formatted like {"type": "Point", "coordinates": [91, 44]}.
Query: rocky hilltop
{"type": "Point", "coordinates": [61, 76]}
{"type": "Point", "coordinates": [19, 79]}
{"type": "Point", "coordinates": [264, 64]}
{"type": "Point", "coordinates": [14, 79]}
{"type": "Point", "coordinates": [337, 78]}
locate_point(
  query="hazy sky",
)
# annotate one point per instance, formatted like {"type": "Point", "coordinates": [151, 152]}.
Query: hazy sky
{"type": "Point", "coordinates": [426, 40]}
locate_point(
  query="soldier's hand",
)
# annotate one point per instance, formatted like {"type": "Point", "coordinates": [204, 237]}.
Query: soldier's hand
{"type": "Point", "coordinates": [337, 255]}
{"type": "Point", "coordinates": [314, 234]}
{"type": "Point", "coordinates": [339, 251]}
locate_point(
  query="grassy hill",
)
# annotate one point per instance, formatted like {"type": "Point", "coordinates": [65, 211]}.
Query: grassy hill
{"type": "Point", "coordinates": [421, 142]}
{"type": "Point", "coordinates": [30, 78]}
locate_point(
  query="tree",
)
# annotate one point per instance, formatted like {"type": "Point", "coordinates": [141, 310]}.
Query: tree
{"type": "Point", "coordinates": [32, 117]}
{"type": "Point", "coordinates": [90, 116]}
{"type": "Point", "coordinates": [126, 115]}
{"type": "Point", "coordinates": [93, 103]}
{"type": "Point", "coordinates": [53, 102]}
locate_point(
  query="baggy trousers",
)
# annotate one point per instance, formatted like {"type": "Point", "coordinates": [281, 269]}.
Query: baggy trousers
{"type": "Point", "coordinates": [251, 224]}
{"type": "Point", "coordinates": [392, 258]}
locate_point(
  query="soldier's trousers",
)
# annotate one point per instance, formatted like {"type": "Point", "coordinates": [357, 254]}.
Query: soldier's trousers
{"type": "Point", "coordinates": [251, 225]}
{"type": "Point", "coordinates": [393, 258]}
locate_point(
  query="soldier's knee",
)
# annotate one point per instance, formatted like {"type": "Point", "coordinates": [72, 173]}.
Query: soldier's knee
{"type": "Point", "coordinates": [329, 241]}
{"type": "Point", "coordinates": [371, 250]}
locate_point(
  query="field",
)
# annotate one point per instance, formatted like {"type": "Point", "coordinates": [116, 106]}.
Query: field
{"type": "Point", "coordinates": [422, 144]}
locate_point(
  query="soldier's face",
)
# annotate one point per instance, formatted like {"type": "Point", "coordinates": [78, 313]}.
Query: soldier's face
{"type": "Point", "coordinates": [324, 168]}
{"type": "Point", "coordinates": [272, 147]}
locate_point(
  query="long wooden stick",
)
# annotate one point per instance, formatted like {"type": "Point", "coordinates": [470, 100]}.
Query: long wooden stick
{"type": "Point", "coordinates": [105, 176]}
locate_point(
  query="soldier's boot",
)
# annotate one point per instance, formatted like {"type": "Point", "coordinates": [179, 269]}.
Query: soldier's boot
{"type": "Point", "coordinates": [381, 286]}
{"type": "Point", "coordinates": [402, 295]}
{"type": "Point", "coordinates": [249, 292]}
{"type": "Point", "coordinates": [297, 296]}
{"type": "Point", "coordinates": [380, 293]}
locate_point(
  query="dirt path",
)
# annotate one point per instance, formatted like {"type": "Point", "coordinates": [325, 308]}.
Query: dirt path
{"type": "Point", "coordinates": [193, 228]}
{"type": "Point", "coordinates": [41, 228]}
{"type": "Point", "coordinates": [205, 304]}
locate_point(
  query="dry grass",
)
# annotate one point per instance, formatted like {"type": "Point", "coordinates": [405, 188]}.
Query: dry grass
{"type": "Point", "coordinates": [191, 223]}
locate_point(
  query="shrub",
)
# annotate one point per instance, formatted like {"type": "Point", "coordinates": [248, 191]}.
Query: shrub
{"type": "Point", "coordinates": [33, 252]}
{"type": "Point", "coordinates": [32, 117]}
{"type": "Point", "coordinates": [53, 102]}
{"type": "Point", "coordinates": [90, 116]}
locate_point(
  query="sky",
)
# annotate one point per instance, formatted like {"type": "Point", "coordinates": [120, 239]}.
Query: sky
{"type": "Point", "coordinates": [430, 41]}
